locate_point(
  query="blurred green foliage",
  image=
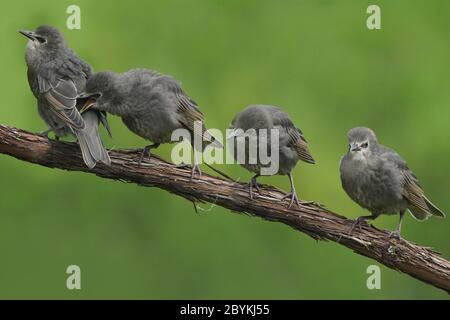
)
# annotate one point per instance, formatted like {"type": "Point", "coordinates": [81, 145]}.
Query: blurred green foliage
{"type": "Point", "coordinates": [315, 59]}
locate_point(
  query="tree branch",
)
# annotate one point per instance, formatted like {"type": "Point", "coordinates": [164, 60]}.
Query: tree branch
{"type": "Point", "coordinates": [317, 222]}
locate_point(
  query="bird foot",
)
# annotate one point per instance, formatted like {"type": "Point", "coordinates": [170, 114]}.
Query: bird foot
{"type": "Point", "coordinates": [193, 168]}
{"type": "Point", "coordinates": [395, 235]}
{"type": "Point", "coordinates": [294, 198]}
{"type": "Point", "coordinates": [253, 184]}
{"type": "Point", "coordinates": [145, 152]}
{"type": "Point", "coordinates": [310, 202]}
{"type": "Point", "coordinates": [359, 222]}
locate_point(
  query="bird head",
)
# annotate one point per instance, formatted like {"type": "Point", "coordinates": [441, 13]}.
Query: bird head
{"type": "Point", "coordinates": [43, 43]}
{"type": "Point", "coordinates": [98, 90]}
{"type": "Point", "coordinates": [362, 142]}
{"type": "Point", "coordinates": [99, 84]}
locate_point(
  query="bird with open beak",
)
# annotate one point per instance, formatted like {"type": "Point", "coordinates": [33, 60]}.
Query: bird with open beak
{"type": "Point", "coordinates": [151, 105]}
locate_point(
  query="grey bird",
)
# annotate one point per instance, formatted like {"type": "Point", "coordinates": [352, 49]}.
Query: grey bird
{"type": "Point", "coordinates": [379, 180]}
{"type": "Point", "coordinates": [57, 77]}
{"type": "Point", "coordinates": [292, 144]}
{"type": "Point", "coordinates": [152, 105]}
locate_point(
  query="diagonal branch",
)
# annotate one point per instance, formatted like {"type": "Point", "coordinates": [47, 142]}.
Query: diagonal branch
{"type": "Point", "coordinates": [317, 222]}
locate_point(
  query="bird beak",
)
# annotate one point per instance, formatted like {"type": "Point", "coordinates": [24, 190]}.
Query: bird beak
{"type": "Point", "coordinates": [89, 100]}
{"type": "Point", "coordinates": [354, 147]}
{"type": "Point", "coordinates": [29, 34]}
{"type": "Point", "coordinates": [88, 105]}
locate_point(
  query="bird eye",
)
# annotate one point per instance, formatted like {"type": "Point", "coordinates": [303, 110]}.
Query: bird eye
{"type": "Point", "coordinates": [364, 145]}
{"type": "Point", "coordinates": [41, 39]}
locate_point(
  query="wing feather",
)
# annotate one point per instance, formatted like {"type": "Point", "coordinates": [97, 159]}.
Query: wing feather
{"type": "Point", "coordinates": [62, 99]}
{"type": "Point", "coordinates": [420, 207]}
{"type": "Point", "coordinates": [190, 114]}
{"type": "Point", "coordinates": [300, 145]}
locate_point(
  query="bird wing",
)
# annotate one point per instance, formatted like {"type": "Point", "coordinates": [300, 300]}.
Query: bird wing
{"type": "Point", "coordinates": [420, 206]}
{"type": "Point", "coordinates": [300, 145]}
{"type": "Point", "coordinates": [188, 108]}
{"type": "Point", "coordinates": [190, 114]}
{"type": "Point", "coordinates": [413, 193]}
{"type": "Point", "coordinates": [62, 99]}
{"type": "Point", "coordinates": [416, 196]}
{"type": "Point", "coordinates": [296, 139]}
{"type": "Point", "coordinates": [86, 68]}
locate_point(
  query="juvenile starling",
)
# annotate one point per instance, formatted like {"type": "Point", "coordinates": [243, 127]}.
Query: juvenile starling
{"type": "Point", "coordinates": [56, 77]}
{"type": "Point", "coordinates": [292, 146]}
{"type": "Point", "coordinates": [151, 105]}
{"type": "Point", "coordinates": [379, 180]}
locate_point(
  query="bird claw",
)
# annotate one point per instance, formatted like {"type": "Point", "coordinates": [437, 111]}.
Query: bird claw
{"type": "Point", "coordinates": [395, 235]}
{"type": "Point", "coordinates": [195, 167]}
{"type": "Point", "coordinates": [359, 222]}
{"type": "Point", "coordinates": [294, 198]}
{"type": "Point", "coordinates": [145, 152]}
{"type": "Point", "coordinates": [253, 184]}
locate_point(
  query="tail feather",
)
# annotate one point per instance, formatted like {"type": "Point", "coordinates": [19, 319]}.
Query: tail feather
{"type": "Point", "coordinates": [105, 123]}
{"type": "Point", "coordinates": [87, 157]}
{"type": "Point", "coordinates": [435, 211]}
{"type": "Point", "coordinates": [90, 142]}
{"type": "Point", "coordinates": [419, 213]}
{"type": "Point", "coordinates": [422, 213]}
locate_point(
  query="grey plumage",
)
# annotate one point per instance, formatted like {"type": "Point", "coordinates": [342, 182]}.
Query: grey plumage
{"type": "Point", "coordinates": [56, 77]}
{"type": "Point", "coordinates": [292, 144]}
{"type": "Point", "coordinates": [379, 180]}
{"type": "Point", "coordinates": [151, 105]}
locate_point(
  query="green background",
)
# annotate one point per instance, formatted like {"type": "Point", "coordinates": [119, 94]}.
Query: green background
{"type": "Point", "coordinates": [315, 59]}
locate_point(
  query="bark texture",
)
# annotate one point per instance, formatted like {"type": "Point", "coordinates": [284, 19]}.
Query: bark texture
{"type": "Point", "coordinates": [319, 223]}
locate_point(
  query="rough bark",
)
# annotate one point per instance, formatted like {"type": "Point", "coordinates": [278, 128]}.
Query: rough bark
{"type": "Point", "coordinates": [319, 223]}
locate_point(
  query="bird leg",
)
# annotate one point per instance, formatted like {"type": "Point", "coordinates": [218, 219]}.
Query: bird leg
{"type": "Point", "coordinates": [147, 151]}
{"type": "Point", "coordinates": [362, 220]}
{"type": "Point", "coordinates": [253, 184]}
{"type": "Point", "coordinates": [195, 167]}
{"type": "Point", "coordinates": [294, 198]}
{"type": "Point", "coordinates": [396, 233]}
{"type": "Point", "coordinates": [293, 194]}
